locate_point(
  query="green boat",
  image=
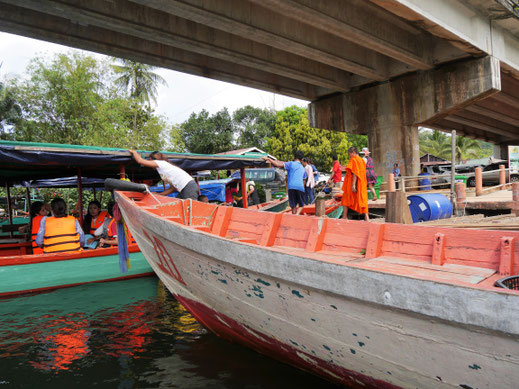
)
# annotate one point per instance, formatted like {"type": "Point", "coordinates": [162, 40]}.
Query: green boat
{"type": "Point", "coordinates": [272, 206]}
{"type": "Point", "coordinates": [45, 165]}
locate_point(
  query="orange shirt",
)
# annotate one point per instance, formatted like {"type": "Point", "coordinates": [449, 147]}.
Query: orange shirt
{"type": "Point", "coordinates": [358, 201]}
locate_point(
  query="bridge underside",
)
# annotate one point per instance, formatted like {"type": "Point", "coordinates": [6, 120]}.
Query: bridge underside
{"type": "Point", "coordinates": [312, 50]}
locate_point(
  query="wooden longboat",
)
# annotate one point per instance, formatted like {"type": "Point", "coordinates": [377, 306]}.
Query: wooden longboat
{"type": "Point", "coordinates": [20, 270]}
{"type": "Point", "coordinates": [278, 205]}
{"type": "Point", "coordinates": [362, 304]}
{"type": "Point", "coordinates": [29, 273]}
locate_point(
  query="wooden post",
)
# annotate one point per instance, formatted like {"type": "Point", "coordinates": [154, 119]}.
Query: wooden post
{"type": "Point", "coordinates": [453, 167]}
{"type": "Point", "coordinates": [391, 182]}
{"type": "Point", "coordinates": [402, 184]}
{"type": "Point", "coordinates": [502, 177]}
{"type": "Point", "coordinates": [461, 197]}
{"type": "Point", "coordinates": [9, 207]}
{"type": "Point", "coordinates": [28, 200]}
{"type": "Point", "coordinates": [479, 181]}
{"type": "Point", "coordinates": [320, 207]}
{"type": "Point", "coordinates": [80, 195]}
{"type": "Point", "coordinates": [397, 209]}
{"type": "Point", "coordinates": [122, 171]}
{"type": "Point", "coordinates": [243, 188]}
{"type": "Point", "coordinates": [515, 197]}
{"type": "Point", "coordinates": [94, 191]}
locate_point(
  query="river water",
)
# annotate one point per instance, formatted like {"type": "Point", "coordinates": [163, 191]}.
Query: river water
{"type": "Point", "coordinates": [128, 334]}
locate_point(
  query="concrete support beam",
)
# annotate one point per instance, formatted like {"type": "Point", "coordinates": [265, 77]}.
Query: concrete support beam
{"type": "Point", "coordinates": [282, 64]}
{"type": "Point", "coordinates": [265, 26]}
{"type": "Point", "coordinates": [361, 23]}
{"type": "Point", "coordinates": [89, 37]}
{"type": "Point", "coordinates": [390, 113]}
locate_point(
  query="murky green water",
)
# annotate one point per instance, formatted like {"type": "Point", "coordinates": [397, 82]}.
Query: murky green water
{"type": "Point", "coordinates": [129, 334]}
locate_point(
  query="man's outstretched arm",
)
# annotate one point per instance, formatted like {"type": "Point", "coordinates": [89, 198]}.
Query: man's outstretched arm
{"type": "Point", "coordinates": [142, 161]}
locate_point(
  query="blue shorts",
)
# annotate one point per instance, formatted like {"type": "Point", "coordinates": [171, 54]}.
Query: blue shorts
{"type": "Point", "coordinates": [296, 197]}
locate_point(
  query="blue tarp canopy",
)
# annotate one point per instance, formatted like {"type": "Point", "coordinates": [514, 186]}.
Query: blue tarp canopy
{"type": "Point", "coordinates": [24, 161]}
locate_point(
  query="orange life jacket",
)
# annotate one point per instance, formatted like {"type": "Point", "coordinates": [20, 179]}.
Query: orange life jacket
{"type": "Point", "coordinates": [60, 235]}
{"type": "Point", "coordinates": [34, 231]}
{"type": "Point", "coordinates": [98, 222]}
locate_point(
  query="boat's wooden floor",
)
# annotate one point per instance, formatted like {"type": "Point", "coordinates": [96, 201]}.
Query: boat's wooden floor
{"type": "Point", "coordinates": [423, 270]}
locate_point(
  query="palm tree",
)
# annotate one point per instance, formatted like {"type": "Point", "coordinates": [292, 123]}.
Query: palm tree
{"type": "Point", "coordinates": [437, 143]}
{"type": "Point", "coordinates": [139, 79]}
{"type": "Point", "coordinates": [466, 148]}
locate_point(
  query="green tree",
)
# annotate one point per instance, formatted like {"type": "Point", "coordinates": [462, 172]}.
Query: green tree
{"type": "Point", "coordinates": [205, 134]}
{"type": "Point", "coordinates": [73, 99]}
{"type": "Point", "coordinates": [138, 79]}
{"type": "Point", "coordinates": [253, 126]}
{"type": "Point", "coordinates": [293, 132]}
{"type": "Point", "coordinates": [436, 143]}
{"type": "Point", "coordinates": [466, 148]}
{"type": "Point", "coordinates": [10, 111]}
{"type": "Point", "coordinates": [176, 141]}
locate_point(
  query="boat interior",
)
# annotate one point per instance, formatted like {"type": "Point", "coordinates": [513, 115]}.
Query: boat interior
{"type": "Point", "coordinates": [473, 258]}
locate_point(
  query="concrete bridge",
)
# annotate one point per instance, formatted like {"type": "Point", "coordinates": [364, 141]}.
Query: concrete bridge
{"type": "Point", "coordinates": [375, 67]}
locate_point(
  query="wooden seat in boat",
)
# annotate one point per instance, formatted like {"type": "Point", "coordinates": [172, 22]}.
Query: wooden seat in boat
{"type": "Point", "coordinates": [448, 272]}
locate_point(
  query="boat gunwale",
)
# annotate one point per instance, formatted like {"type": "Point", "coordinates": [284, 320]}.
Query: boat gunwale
{"type": "Point", "coordinates": [29, 259]}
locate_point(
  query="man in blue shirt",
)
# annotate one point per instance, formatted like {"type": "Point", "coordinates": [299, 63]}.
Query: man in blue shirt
{"type": "Point", "coordinates": [295, 186]}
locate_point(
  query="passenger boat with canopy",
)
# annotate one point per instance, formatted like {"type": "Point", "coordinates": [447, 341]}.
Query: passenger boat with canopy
{"type": "Point", "coordinates": [45, 165]}
{"type": "Point", "coordinates": [363, 304]}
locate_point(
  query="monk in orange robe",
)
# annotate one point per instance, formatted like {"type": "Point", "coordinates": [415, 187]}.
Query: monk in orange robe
{"type": "Point", "coordinates": [355, 192]}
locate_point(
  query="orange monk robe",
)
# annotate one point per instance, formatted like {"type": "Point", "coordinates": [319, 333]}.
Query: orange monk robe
{"type": "Point", "coordinates": [358, 201]}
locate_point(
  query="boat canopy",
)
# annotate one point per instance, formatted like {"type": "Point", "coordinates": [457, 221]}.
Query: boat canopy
{"type": "Point", "coordinates": [24, 161]}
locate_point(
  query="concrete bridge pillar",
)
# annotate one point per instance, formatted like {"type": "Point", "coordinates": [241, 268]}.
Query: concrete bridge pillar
{"type": "Point", "coordinates": [390, 113]}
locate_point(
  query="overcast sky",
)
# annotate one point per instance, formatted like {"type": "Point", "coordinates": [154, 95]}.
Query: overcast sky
{"type": "Point", "coordinates": [183, 95]}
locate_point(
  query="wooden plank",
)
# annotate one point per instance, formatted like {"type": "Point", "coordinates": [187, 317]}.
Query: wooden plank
{"type": "Point", "coordinates": [244, 225]}
{"type": "Point", "coordinates": [339, 240]}
{"type": "Point", "coordinates": [271, 228]}
{"type": "Point", "coordinates": [395, 248]}
{"type": "Point", "coordinates": [410, 234]}
{"type": "Point", "coordinates": [418, 272]}
{"type": "Point", "coordinates": [450, 268]}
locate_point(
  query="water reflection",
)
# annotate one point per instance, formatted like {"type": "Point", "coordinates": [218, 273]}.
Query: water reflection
{"type": "Point", "coordinates": [129, 334]}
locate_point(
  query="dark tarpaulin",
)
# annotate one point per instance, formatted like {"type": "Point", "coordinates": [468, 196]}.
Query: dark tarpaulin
{"type": "Point", "coordinates": [31, 161]}
{"type": "Point", "coordinates": [68, 182]}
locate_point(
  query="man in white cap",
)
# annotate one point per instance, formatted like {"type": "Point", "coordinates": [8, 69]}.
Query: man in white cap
{"type": "Point", "coordinates": [371, 176]}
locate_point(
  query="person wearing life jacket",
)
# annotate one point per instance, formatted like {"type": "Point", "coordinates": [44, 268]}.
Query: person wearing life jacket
{"type": "Point", "coordinates": [38, 211]}
{"type": "Point", "coordinates": [108, 231]}
{"type": "Point", "coordinates": [60, 233]}
{"type": "Point", "coordinates": [94, 218]}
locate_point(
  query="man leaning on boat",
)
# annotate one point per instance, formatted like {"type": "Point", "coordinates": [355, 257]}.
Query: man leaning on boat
{"type": "Point", "coordinates": [178, 179]}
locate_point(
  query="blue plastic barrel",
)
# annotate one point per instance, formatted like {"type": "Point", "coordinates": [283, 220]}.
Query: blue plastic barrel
{"type": "Point", "coordinates": [425, 183]}
{"type": "Point", "coordinates": [430, 206]}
